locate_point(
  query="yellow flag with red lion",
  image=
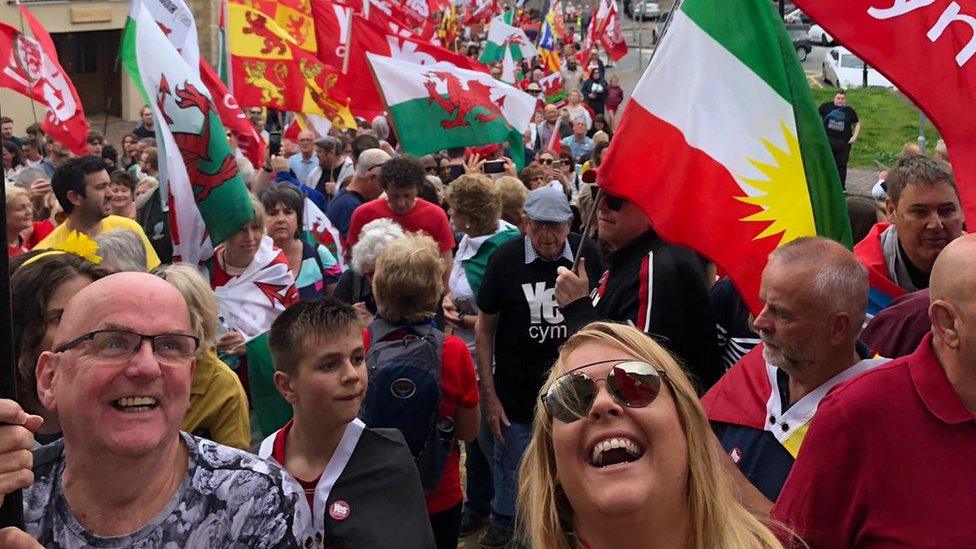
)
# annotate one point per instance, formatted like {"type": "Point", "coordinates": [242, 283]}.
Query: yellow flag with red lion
{"type": "Point", "coordinates": [278, 68]}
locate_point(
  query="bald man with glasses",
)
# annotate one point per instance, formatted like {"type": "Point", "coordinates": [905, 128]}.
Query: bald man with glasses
{"type": "Point", "coordinates": [124, 474]}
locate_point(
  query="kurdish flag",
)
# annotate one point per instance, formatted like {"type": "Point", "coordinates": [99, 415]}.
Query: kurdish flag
{"type": "Point", "coordinates": [721, 146]}
{"type": "Point", "coordinates": [207, 196]}
{"type": "Point", "coordinates": [501, 35]}
{"type": "Point", "coordinates": [440, 106]}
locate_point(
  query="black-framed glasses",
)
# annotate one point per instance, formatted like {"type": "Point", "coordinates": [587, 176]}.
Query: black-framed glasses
{"type": "Point", "coordinates": [632, 383]}
{"type": "Point", "coordinates": [544, 161]}
{"type": "Point", "coordinates": [121, 345]}
{"type": "Point", "coordinates": [614, 203]}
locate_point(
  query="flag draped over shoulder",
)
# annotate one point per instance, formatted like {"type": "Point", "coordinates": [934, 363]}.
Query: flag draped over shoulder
{"type": "Point", "coordinates": [502, 36]}
{"type": "Point", "coordinates": [252, 300]}
{"type": "Point", "coordinates": [440, 106]}
{"type": "Point", "coordinates": [30, 67]}
{"type": "Point", "coordinates": [731, 183]}
{"type": "Point", "coordinates": [207, 196]}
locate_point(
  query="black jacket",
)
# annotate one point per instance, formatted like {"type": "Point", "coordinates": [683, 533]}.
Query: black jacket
{"type": "Point", "coordinates": [661, 290]}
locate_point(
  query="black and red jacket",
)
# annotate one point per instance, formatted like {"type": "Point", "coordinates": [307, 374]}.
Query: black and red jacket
{"type": "Point", "coordinates": [659, 289]}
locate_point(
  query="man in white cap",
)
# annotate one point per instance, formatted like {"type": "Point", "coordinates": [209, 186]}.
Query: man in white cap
{"type": "Point", "coordinates": [519, 331]}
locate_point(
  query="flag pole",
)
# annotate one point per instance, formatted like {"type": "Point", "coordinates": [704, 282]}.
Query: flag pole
{"type": "Point", "coordinates": [587, 229]}
{"type": "Point", "coordinates": [30, 75]}
{"type": "Point", "coordinates": [345, 58]}
{"type": "Point", "coordinates": [12, 511]}
{"type": "Point", "coordinates": [599, 195]}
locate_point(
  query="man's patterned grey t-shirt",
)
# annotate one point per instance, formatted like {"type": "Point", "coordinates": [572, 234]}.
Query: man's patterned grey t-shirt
{"type": "Point", "coordinates": [229, 498]}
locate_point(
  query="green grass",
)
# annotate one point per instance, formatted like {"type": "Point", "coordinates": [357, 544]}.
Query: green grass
{"type": "Point", "coordinates": [888, 121]}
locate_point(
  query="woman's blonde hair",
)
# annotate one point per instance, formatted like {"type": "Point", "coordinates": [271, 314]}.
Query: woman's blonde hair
{"type": "Point", "coordinates": [408, 280]}
{"type": "Point", "coordinates": [717, 519]}
{"type": "Point", "coordinates": [13, 191]}
{"type": "Point", "coordinates": [512, 193]}
{"type": "Point", "coordinates": [200, 300]}
{"type": "Point", "coordinates": [475, 196]}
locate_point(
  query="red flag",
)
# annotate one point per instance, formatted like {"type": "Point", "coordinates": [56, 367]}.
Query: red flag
{"type": "Point", "coordinates": [480, 11]}
{"type": "Point", "coordinates": [412, 13]}
{"type": "Point", "coordinates": [927, 48]}
{"type": "Point", "coordinates": [31, 68]}
{"type": "Point", "coordinates": [232, 116]}
{"type": "Point", "coordinates": [331, 27]}
{"type": "Point", "coordinates": [390, 19]}
{"type": "Point", "coordinates": [610, 35]}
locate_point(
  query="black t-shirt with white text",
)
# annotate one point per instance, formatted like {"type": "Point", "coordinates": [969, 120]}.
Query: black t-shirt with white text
{"type": "Point", "coordinates": [838, 121]}
{"type": "Point", "coordinates": [530, 327]}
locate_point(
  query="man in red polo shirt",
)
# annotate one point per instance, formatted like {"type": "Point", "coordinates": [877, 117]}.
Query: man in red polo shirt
{"type": "Point", "coordinates": [401, 179]}
{"type": "Point", "coordinates": [889, 458]}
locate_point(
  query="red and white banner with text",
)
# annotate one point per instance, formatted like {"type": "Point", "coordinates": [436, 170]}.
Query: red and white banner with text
{"type": "Point", "coordinates": [916, 43]}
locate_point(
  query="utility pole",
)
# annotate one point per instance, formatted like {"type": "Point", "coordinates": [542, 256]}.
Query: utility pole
{"type": "Point", "coordinates": [921, 130]}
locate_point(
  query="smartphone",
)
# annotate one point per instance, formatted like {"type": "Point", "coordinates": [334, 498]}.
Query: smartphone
{"type": "Point", "coordinates": [464, 306]}
{"type": "Point", "coordinates": [493, 166]}
{"type": "Point", "coordinates": [453, 172]}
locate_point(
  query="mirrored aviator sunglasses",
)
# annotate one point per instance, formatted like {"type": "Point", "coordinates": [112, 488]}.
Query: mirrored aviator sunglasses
{"type": "Point", "coordinates": [632, 383]}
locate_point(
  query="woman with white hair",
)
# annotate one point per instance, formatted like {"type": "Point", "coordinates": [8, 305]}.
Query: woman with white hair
{"type": "Point", "coordinates": [355, 285]}
{"type": "Point", "coordinates": [122, 251]}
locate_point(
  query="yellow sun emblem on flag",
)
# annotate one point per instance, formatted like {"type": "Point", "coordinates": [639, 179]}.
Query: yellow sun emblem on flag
{"type": "Point", "coordinates": [783, 197]}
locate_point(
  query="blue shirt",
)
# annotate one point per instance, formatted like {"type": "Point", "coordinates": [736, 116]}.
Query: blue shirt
{"type": "Point", "coordinates": [579, 148]}
{"type": "Point", "coordinates": [302, 168]}
{"type": "Point", "coordinates": [340, 209]}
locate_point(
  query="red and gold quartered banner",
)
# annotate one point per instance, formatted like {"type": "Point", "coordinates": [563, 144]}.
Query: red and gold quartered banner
{"type": "Point", "coordinates": [276, 66]}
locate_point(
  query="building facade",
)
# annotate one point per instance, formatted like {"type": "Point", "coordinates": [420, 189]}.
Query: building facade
{"type": "Point", "coordinates": [87, 35]}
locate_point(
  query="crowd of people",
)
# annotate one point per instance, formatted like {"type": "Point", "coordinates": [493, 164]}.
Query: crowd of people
{"type": "Point", "coordinates": [627, 399]}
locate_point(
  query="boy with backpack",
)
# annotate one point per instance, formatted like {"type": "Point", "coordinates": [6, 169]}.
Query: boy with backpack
{"type": "Point", "coordinates": [358, 485]}
{"type": "Point", "coordinates": [421, 381]}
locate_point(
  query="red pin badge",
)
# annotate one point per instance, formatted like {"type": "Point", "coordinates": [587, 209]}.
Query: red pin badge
{"type": "Point", "coordinates": [339, 510]}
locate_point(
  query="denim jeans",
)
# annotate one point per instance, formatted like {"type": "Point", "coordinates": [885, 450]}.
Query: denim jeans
{"type": "Point", "coordinates": [505, 460]}
{"type": "Point", "coordinates": [478, 473]}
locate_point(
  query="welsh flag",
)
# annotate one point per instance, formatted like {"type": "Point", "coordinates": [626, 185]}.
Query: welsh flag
{"type": "Point", "coordinates": [208, 198]}
{"type": "Point", "coordinates": [176, 21]}
{"type": "Point", "coordinates": [440, 106]}
{"type": "Point", "coordinates": [318, 229]}
{"type": "Point", "coordinates": [364, 37]}
{"type": "Point", "coordinates": [552, 88]}
{"type": "Point", "coordinates": [733, 181]}
{"type": "Point", "coordinates": [502, 36]}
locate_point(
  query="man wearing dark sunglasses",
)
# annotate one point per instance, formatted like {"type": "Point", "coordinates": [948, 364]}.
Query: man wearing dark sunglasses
{"type": "Point", "coordinates": [124, 474]}
{"type": "Point", "coordinates": [656, 287]}
{"type": "Point", "coordinates": [815, 295]}
{"type": "Point", "coordinates": [889, 457]}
